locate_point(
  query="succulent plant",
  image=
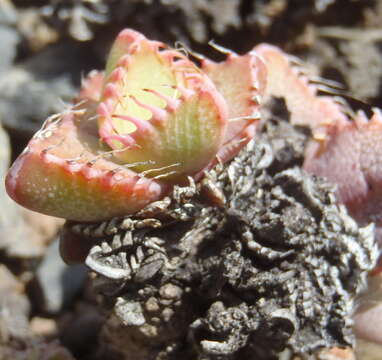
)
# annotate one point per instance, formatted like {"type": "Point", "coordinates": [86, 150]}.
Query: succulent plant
{"type": "Point", "coordinates": [152, 119]}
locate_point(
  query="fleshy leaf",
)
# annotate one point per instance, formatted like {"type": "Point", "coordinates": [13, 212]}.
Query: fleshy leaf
{"type": "Point", "coordinates": [158, 109]}
{"type": "Point", "coordinates": [60, 176]}
{"type": "Point", "coordinates": [351, 157]}
{"type": "Point", "coordinates": [241, 80]}
{"type": "Point", "coordinates": [121, 46]}
{"type": "Point", "coordinates": [289, 82]}
{"type": "Point", "coordinates": [153, 115]}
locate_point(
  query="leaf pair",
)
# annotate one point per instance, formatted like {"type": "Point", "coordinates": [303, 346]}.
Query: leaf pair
{"type": "Point", "coordinates": [152, 119]}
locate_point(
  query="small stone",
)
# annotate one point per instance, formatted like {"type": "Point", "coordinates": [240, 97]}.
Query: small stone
{"type": "Point", "coordinates": [43, 326]}
{"type": "Point", "coordinates": [166, 302]}
{"type": "Point", "coordinates": [152, 305]}
{"type": "Point", "coordinates": [170, 291]}
{"type": "Point", "coordinates": [149, 331]}
{"type": "Point", "coordinates": [8, 282]}
{"type": "Point", "coordinates": [167, 314]}
{"type": "Point", "coordinates": [130, 312]}
{"type": "Point", "coordinates": [155, 320]}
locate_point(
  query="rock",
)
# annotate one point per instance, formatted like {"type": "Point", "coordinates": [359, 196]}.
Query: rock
{"type": "Point", "coordinates": [8, 14]}
{"type": "Point", "coordinates": [14, 308]}
{"type": "Point", "coordinates": [130, 312]}
{"type": "Point", "coordinates": [56, 284]}
{"type": "Point", "coordinates": [40, 86]}
{"type": "Point", "coordinates": [26, 101]}
{"type": "Point", "coordinates": [13, 232]}
{"type": "Point", "coordinates": [23, 233]}
{"type": "Point", "coordinates": [9, 40]}
{"type": "Point", "coordinates": [80, 331]}
{"type": "Point", "coordinates": [43, 326]}
{"type": "Point", "coordinates": [34, 30]}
